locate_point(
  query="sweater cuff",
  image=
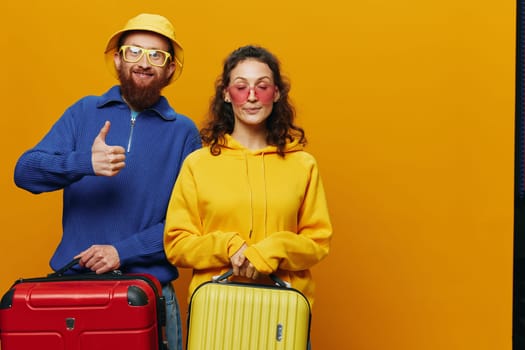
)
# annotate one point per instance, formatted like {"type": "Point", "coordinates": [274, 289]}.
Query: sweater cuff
{"type": "Point", "coordinates": [83, 162]}
{"type": "Point", "coordinates": [125, 250]}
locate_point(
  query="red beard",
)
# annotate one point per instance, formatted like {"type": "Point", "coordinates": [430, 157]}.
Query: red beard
{"type": "Point", "coordinates": [140, 97]}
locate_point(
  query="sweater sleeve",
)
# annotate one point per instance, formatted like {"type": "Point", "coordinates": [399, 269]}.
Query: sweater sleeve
{"type": "Point", "coordinates": [296, 251]}
{"type": "Point", "coordinates": [54, 162]}
{"type": "Point", "coordinates": [185, 243]}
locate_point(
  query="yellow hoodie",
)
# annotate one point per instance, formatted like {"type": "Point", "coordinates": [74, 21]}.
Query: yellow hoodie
{"type": "Point", "coordinates": [275, 205]}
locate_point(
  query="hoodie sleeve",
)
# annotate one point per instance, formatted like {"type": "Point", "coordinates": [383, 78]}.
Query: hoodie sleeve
{"type": "Point", "coordinates": [295, 251]}
{"type": "Point", "coordinates": [185, 243]}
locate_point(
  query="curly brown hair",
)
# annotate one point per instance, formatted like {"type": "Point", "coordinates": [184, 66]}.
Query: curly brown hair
{"type": "Point", "coordinates": [279, 124]}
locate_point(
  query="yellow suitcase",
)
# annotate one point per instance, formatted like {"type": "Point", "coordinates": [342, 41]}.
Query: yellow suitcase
{"type": "Point", "coordinates": [231, 315]}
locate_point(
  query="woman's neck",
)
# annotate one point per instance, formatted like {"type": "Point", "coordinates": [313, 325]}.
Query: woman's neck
{"type": "Point", "coordinates": [251, 139]}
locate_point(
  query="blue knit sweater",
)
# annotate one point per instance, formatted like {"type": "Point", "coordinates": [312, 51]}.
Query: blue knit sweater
{"type": "Point", "coordinates": [127, 210]}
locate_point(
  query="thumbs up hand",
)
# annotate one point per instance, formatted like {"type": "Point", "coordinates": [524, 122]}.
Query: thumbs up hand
{"type": "Point", "coordinates": [106, 160]}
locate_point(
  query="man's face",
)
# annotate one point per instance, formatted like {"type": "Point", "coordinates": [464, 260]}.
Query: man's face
{"type": "Point", "coordinates": [141, 81]}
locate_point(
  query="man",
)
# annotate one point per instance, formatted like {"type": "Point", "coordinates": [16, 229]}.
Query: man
{"type": "Point", "coordinates": [117, 156]}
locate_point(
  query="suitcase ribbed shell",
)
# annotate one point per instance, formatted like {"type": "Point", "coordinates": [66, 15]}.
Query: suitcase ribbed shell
{"type": "Point", "coordinates": [246, 316]}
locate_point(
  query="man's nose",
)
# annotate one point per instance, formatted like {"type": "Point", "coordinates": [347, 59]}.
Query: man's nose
{"type": "Point", "coordinates": [144, 61]}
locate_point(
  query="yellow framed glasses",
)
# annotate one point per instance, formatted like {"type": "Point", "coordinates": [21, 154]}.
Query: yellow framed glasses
{"type": "Point", "coordinates": [133, 54]}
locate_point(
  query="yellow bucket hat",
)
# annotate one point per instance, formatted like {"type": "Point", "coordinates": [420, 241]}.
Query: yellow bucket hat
{"type": "Point", "coordinates": [152, 23]}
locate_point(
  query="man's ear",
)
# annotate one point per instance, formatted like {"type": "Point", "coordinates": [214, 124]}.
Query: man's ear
{"type": "Point", "coordinates": [116, 59]}
{"type": "Point", "coordinates": [171, 69]}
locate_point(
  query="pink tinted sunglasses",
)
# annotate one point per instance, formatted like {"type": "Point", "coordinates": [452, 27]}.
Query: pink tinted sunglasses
{"type": "Point", "coordinates": [263, 92]}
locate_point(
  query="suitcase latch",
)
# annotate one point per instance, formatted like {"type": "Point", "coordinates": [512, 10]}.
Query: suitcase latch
{"type": "Point", "coordinates": [279, 332]}
{"type": "Point", "coordinates": [70, 323]}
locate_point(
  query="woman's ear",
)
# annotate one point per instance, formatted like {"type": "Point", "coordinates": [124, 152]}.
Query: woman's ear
{"type": "Point", "coordinates": [276, 95]}
{"type": "Point", "coordinates": [226, 95]}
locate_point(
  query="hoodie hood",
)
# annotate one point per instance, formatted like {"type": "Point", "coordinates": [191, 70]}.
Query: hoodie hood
{"type": "Point", "coordinates": [232, 145]}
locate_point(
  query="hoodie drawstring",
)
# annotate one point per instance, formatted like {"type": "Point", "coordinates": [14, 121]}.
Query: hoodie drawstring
{"type": "Point", "coordinates": [251, 192]}
{"type": "Point", "coordinates": [250, 189]}
{"type": "Point", "coordinates": [265, 195]}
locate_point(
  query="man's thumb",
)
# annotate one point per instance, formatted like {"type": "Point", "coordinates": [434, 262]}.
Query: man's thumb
{"type": "Point", "coordinates": [104, 131]}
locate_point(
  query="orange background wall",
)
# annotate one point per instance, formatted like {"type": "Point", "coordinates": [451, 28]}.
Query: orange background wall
{"type": "Point", "coordinates": [409, 109]}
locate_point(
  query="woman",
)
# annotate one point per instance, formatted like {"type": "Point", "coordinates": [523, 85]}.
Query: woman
{"type": "Point", "coordinates": [252, 200]}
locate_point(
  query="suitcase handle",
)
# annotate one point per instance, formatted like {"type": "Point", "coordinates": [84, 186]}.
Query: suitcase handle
{"type": "Point", "coordinates": [224, 277]}
{"type": "Point", "coordinates": [60, 272]}
{"type": "Point", "coordinates": [63, 269]}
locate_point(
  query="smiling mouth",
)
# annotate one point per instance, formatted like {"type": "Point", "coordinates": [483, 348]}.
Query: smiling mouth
{"type": "Point", "coordinates": [252, 109]}
{"type": "Point", "coordinates": [142, 74]}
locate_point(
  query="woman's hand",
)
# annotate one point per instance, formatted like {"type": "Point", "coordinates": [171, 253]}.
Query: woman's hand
{"type": "Point", "coordinates": [241, 266]}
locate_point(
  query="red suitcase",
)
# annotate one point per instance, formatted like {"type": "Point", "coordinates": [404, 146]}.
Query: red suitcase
{"type": "Point", "coordinates": [84, 311]}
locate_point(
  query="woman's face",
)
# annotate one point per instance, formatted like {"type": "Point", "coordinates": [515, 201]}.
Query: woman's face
{"type": "Point", "coordinates": [252, 93]}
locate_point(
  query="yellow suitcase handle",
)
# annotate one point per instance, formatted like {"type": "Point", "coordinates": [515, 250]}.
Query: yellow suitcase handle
{"type": "Point", "coordinates": [224, 278]}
